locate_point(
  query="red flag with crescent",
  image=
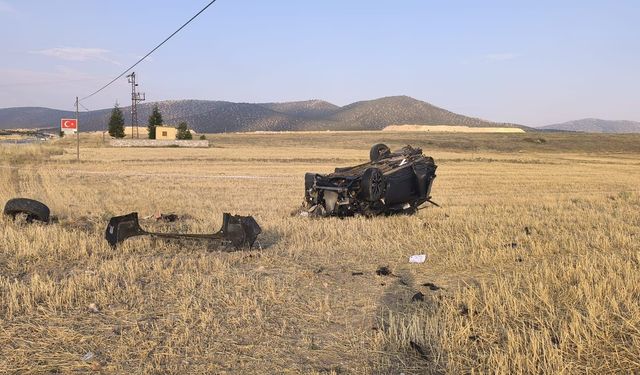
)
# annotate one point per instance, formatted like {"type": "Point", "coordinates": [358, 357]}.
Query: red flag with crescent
{"type": "Point", "coordinates": [69, 124]}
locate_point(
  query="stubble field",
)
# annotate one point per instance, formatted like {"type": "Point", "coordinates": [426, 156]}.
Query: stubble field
{"type": "Point", "coordinates": [533, 261]}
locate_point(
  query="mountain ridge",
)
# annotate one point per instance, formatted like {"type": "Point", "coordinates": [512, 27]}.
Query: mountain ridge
{"type": "Point", "coordinates": [216, 116]}
{"type": "Point", "coordinates": [595, 125]}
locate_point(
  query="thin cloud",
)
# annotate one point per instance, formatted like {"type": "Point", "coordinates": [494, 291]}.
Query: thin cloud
{"type": "Point", "coordinates": [6, 7]}
{"type": "Point", "coordinates": [59, 75]}
{"type": "Point", "coordinates": [78, 54]}
{"type": "Point", "coordinates": [502, 56]}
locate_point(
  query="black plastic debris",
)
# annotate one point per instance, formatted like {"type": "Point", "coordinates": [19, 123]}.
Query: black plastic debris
{"type": "Point", "coordinates": [237, 231]}
{"type": "Point", "coordinates": [463, 309]}
{"type": "Point", "coordinates": [383, 271]}
{"type": "Point", "coordinates": [512, 245]}
{"type": "Point", "coordinates": [420, 349]}
{"type": "Point", "coordinates": [418, 297]}
{"type": "Point", "coordinates": [432, 286]}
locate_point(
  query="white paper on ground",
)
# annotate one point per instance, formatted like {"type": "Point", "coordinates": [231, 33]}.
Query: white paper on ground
{"type": "Point", "coordinates": [419, 258]}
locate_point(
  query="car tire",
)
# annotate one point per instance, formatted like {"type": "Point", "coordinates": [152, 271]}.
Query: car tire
{"type": "Point", "coordinates": [309, 180]}
{"type": "Point", "coordinates": [33, 209]}
{"type": "Point", "coordinates": [373, 185]}
{"type": "Point", "coordinates": [379, 151]}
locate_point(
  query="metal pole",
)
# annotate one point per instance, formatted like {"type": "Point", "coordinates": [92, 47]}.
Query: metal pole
{"type": "Point", "coordinates": [135, 98]}
{"type": "Point", "coordinates": [77, 132]}
{"type": "Point", "coordinates": [134, 113]}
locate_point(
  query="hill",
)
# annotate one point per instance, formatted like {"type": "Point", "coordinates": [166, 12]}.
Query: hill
{"type": "Point", "coordinates": [593, 125]}
{"type": "Point", "coordinates": [399, 110]}
{"type": "Point", "coordinates": [220, 116]}
{"type": "Point", "coordinates": [31, 117]}
{"type": "Point", "coordinates": [311, 109]}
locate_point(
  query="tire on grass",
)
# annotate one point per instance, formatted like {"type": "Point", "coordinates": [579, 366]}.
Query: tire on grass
{"type": "Point", "coordinates": [33, 209]}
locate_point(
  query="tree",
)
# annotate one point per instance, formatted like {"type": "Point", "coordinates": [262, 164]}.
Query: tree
{"type": "Point", "coordinates": [183, 131]}
{"type": "Point", "coordinates": [154, 120]}
{"type": "Point", "coordinates": [116, 123]}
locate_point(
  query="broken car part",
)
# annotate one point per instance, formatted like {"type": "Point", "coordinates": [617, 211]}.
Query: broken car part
{"type": "Point", "coordinates": [390, 183]}
{"type": "Point", "coordinates": [238, 231]}
{"type": "Point", "coordinates": [32, 209]}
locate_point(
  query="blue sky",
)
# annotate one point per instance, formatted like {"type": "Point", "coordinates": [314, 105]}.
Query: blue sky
{"type": "Point", "coordinates": [533, 63]}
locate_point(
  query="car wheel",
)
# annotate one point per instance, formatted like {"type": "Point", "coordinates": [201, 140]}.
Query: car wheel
{"type": "Point", "coordinates": [33, 209]}
{"type": "Point", "coordinates": [373, 184]}
{"type": "Point", "coordinates": [309, 180]}
{"type": "Point", "coordinates": [379, 151]}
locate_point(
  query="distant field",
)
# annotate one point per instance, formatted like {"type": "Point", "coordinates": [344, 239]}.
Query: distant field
{"type": "Point", "coordinates": [533, 261]}
{"type": "Point", "coordinates": [450, 129]}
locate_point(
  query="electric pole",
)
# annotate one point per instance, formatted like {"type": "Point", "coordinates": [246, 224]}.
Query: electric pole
{"type": "Point", "coordinates": [135, 98]}
{"type": "Point", "coordinates": [77, 132]}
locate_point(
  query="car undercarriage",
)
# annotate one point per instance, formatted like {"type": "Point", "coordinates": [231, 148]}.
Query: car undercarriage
{"type": "Point", "coordinates": [390, 183]}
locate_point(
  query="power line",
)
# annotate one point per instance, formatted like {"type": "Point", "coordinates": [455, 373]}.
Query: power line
{"type": "Point", "coordinates": [150, 52]}
{"type": "Point", "coordinates": [85, 108]}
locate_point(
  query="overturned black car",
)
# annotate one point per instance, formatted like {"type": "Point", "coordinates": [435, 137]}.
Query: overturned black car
{"type": "Point", "coordinates": [391, 183]}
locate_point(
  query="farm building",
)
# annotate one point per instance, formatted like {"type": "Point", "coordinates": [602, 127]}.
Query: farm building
{"type": "Point", "coordinates": [166, 132]}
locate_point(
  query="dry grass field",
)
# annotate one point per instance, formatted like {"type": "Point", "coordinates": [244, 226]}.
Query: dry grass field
{"type": "Point", "coordinates": [533, 261]}
{"type": "Point", "coordinates": [450, 129]}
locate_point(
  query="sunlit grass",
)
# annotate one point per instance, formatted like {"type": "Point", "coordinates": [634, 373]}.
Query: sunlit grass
{"type": "Point", "coordinates": [536, 254]}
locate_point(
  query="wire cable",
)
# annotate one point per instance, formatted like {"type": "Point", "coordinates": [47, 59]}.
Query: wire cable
{"type": "Point", "coordinates": [150, 52]}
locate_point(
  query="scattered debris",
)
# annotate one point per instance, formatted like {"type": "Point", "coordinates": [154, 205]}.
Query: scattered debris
{"type": "Point", "coordinates": [419, 258]}
{"type": "Point", "coordinates": [88, 356]}
{"type": "Point", "coordinates": [432, 286]}
{"type": "Point", "coordinates": [357, 273]}
{"type": "Point", "coordinates": [418, 297]}
{"type": "Point", "coordinates": [519, 259]}
{"type": "Point", "coordinates": [383, 271]}
{"type": "Point", "coordinates": [167, 218]}
{"type": "Point", "coordinates": [512, 245]}
{"type": "Point", "coordinates": [238, 231]}
{"type": "Point", "coordinates": [474, 338]}
{"type": "Point", "coordinates": [463, 309]}
{"type": "Point", "coordinates": [527, 231]}
{"type": "Point", "coordinates": [422, 351]}
{"type": "Point", "coordinates": [391, 183]}
{"type": "Point", "coordinates": [31, 209]}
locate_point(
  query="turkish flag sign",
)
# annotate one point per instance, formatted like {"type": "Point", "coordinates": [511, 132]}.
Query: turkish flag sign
{"type": "Point", "coordinates": [67, 124]}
